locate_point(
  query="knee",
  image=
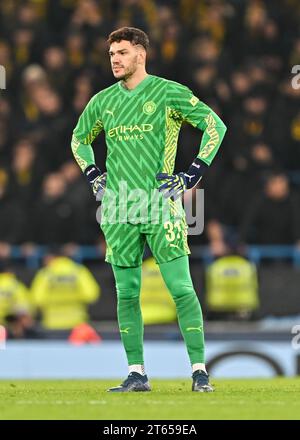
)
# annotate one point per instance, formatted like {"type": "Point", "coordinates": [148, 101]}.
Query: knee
{"type": "Point", "coordinates": [180, 290]}
{"type": "Point", "coordinates": [130, 290]}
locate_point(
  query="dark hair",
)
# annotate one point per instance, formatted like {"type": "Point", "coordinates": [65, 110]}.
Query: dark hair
{"type": "Point", "coordinates": [134, 35]}
{"type": "Point", "coordinates": [272, 174]}
{"type": "Point", "coordinates": [5, 265]}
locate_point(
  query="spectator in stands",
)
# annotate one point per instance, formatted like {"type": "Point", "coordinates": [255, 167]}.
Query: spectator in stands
{"type": "Point", "coordinates": [274, 216]}
{"type": "Point", "coordinates": [82, 202]}
{"type": "Point", "coordinates": [21, 325]}
{"type": "Point", "coordinates": [27, 112]}
{"type": "Point", "coordinates": [286, 126]}
{"type": "Point", "coordinates": [11, 218]}
{"type": "Point", "coordinates": [7, 61]}
{"type": "Point", "coordinates": [88, 17]}
{"type": "Point", "coordinates": [245, 181]}
{"type": "Point", "coordinates": [14, 300]}
{"type": "Point", "coordinates": [51, 125]}
{"type": "Point", "coordinates": [83, 90]}
{"type": "Point", "coordinates": [58, 71]}
{"type": "Point", "coordinates": [53, 219]}
{"type": "Point", "coordinates": [75, 46]}
{"type": "Point", "coordinates": [231, 288]}
{"type": "Point", "coordinates": [62, 292]}
{"type": "Point", "coordinates": [5, 130]}
{"type": "Point", "coordinates": [251, 124]}
{"type": "Point", "coordinates": [76, 190]}
{"type": "Point", "coordinates": [27, 170]}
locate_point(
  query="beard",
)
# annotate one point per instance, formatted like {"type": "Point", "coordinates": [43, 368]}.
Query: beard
{"type": "Point", "coordinates": [125, 73]}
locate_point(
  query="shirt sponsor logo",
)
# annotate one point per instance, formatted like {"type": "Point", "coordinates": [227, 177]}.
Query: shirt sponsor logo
{"type": "Point", "coordinates": [123, 132]}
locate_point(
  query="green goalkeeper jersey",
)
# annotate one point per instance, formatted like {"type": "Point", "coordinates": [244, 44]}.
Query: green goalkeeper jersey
{"type": "Point", "coordinates": [141, 130]}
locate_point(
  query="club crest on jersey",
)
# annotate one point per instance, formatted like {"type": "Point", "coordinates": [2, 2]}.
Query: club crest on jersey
{"type": "Point", "coordinates": [149, 107]}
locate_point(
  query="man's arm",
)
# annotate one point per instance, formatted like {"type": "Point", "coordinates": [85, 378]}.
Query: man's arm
{"type": "Point", "coordinates": [88, 127]}
{"type": "Point", "coordinates": [213, 133]}
{"type": "Point", "coordinates": [189, 108]}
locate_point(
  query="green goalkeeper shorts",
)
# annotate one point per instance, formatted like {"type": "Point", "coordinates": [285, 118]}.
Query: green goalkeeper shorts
{"type": "Point", "coordinates": [125, 242]}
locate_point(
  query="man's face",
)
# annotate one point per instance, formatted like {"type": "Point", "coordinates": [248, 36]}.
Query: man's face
{"type": "Point", "coordinates": [277, 187]}
{"type": "Point", "coordinates": [125, 58]}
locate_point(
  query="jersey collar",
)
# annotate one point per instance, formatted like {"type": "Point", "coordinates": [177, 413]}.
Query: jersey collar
{"type": "Point", "coordinates": [138, 88]}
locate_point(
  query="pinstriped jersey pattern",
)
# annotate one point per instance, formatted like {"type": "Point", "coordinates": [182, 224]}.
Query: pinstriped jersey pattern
{"type": "Point", "coordinates": [139, 144]}
{"type": "Point", "coordinates": [141, 131]}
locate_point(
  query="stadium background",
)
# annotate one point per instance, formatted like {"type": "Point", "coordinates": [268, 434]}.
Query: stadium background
{"type": "Point", "coordinates": [236, 56]}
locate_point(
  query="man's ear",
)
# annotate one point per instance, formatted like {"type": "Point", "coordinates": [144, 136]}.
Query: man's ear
{"type": "Point", "coordinates": [141, 55]}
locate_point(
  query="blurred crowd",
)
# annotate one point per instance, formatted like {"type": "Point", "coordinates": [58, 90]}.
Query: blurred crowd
{"type": "Point", "coordinates": [236, 56]}
{"type": "Point", "coordinates": [55, 303]}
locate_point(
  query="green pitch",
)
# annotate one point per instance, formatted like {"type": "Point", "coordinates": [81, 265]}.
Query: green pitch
{"type": "Point", "coordinates": [170, 399]}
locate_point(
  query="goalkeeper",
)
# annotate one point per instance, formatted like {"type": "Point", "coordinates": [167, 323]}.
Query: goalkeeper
{"type": "Point", "coordinates": [141, 116]}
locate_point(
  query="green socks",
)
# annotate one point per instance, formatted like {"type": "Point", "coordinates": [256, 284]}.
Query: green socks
{"type": "Point", "coordinates": [128, 284]}
{"type": "Point", "coordinates": [176, 274]}
{"type": "Point", "coordinates": [177, 277]}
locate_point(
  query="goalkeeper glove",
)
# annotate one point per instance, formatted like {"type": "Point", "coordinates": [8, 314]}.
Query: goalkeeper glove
{"type": "Point", "coordinates": [176, 184]}
{"type": "Point", "coordinates": [96, 180]}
